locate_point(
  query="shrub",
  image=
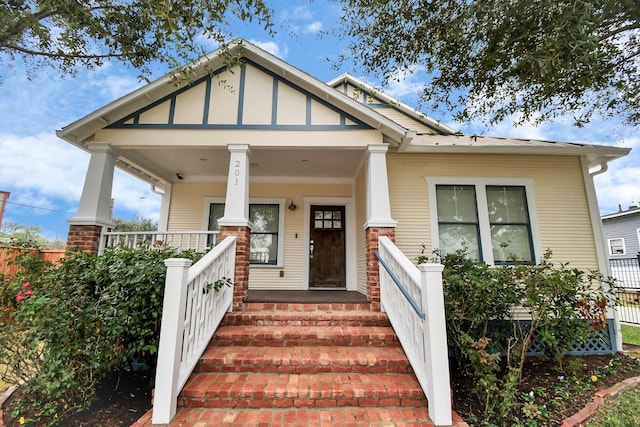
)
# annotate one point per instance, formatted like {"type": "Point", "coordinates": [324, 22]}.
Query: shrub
{"type": "Point", "coordinates": [483, 307]}
{"type": "Point", "coordinates": [76, 322]}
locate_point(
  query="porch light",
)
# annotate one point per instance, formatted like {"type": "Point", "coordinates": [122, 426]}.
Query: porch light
{"type": "Point", "coordinates": [292, 206]}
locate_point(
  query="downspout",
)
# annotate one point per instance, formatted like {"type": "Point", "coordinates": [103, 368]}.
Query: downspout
{"type": "Point", "coordinates": [598, 235]}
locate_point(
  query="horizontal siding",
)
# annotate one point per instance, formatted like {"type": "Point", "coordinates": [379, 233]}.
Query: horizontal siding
{"type": "Point", "coordinates": [187, 210]}
{"type": "Point", "coordinates": [559, 192]}
{"type": "Point", "coordinates": [627, 228]}
{"type": "Point", "coordinates": [360, 190]}
{"type": "Point", "coordinates": [187, 204]}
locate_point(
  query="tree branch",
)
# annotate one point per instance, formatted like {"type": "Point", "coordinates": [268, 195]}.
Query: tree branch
{"type": "Point", "coordinates": [60, 55]}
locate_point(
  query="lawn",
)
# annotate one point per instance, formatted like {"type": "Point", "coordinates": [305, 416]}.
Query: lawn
{"type": "Point", "coordinates": [623, 411]}
{"type": "Point", "coordinates": [631, 334]}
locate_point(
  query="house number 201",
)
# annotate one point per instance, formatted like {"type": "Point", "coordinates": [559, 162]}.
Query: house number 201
{"type": "Point", "coordinates": [236, 171]}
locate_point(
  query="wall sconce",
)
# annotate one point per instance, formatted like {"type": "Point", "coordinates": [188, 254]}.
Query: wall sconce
{"type": "Point", "coordinates": [292, 206]}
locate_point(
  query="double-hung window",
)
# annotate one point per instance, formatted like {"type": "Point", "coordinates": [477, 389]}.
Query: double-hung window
{"type": "Point", "coordinates": [490, 220]}
{"type": "Point", "coordinates": [265, 216]}
{"type": "Point", "coordinates": [616, 246]}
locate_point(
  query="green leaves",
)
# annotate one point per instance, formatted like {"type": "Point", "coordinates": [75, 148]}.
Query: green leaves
{"type": "Point", "coordinates": [84, 318]}
{"type": "Point", "coordinates": [67, 35]}
{"type": "Point", "coordinates": [496, 59]}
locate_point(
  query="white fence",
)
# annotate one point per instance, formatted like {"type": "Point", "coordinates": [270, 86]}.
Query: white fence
{"type": "Point", "coordinates": [200, 241]}
{"type": "Point", "coordinates": [192, 311]}
{"type": "Point", "coordinates": [414, 301]}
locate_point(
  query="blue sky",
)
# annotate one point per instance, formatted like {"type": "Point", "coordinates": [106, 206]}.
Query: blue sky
{"type": "Point", "coordinates": [45, 175]}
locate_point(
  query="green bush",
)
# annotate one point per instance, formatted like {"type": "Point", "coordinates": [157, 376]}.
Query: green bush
{"type": "Point", "coordinates": [74, 323]}
{"type": "Point", "coordinates": [483, 307]}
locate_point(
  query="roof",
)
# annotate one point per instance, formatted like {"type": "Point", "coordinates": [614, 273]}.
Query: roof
{"type": "Point", "coordinates": [400, 124]}
{"type": "Point", "coordinates": [633, 210]}
{"type": "Point", "coordinates": [79, 132]}
{"type": "Point", "coordinates": [597, 155]}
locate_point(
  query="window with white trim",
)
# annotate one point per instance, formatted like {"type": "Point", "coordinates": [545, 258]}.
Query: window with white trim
{"type": "Point", "coordinates": [492, 221]}
{"type": "Point", "coordinates": [266, 217]}
{"type": "Point", "coordinates": [616, 246]}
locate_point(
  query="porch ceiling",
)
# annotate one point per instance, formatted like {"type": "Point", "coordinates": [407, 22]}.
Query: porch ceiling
{"type": "Point", "coordinates": [195, 164]}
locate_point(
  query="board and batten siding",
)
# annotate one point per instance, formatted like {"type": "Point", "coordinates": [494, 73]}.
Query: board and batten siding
{"type": "Point", "coordinates": [187, 212]}
{"type": "Point", "coordinates": [560, 201]}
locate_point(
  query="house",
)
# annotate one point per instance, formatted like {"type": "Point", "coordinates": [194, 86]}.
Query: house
{"type": "Point", "coordinates": [622, 237]}
{"type": "Point", "coordinates": [313, 179]}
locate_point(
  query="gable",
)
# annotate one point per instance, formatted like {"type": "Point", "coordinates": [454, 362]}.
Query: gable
{"type": "Point", "coordinates": [245, 97]}
{"type": "Point", "coordinates": [387, 109]}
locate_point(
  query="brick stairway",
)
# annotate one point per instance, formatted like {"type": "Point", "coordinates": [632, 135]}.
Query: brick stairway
{"type": "Point", "coordinates": [303, 365]}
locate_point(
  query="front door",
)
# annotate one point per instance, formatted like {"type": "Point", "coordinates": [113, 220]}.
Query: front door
{"type": "Point", "coordinates": [327, 247]}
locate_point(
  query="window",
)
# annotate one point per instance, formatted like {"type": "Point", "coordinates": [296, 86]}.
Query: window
{"type": "Point", "coordinates": [458, 220]}
{"type": "Point", "coordinates": [616, 246]}
{"type": "Point", "coordinates": [492, 221]}
{"type": "Point", "coordinates": [266, 246]}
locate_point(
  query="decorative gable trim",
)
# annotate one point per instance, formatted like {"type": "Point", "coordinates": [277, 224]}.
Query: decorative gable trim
{"type": "Point", "coordinates": [318, 113]}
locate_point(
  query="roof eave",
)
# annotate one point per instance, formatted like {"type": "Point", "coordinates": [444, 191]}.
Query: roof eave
{"type": "Point", "coordinates": [80, 131]}
{"type": "Point", "coordinates": [595, 155]}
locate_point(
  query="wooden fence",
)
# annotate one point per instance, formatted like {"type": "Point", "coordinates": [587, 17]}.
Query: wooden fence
{"type": "Point", "coordinates": [9, 253]}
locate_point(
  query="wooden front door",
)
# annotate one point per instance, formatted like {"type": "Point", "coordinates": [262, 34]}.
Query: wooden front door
{"type": "Point", "coordinates": [327, 247]}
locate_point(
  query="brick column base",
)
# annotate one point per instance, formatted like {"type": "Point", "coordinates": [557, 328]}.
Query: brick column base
{"type": "Point", "coordinates": [373, 275]}
{"type": "Point", "coordinates": [243, 246]}
{"type": "Point", "coordinates": [86, 237]}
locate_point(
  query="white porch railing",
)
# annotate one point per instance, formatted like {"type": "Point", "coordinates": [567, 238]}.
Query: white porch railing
{"type": "Point", "coordinates": [201, 241]}
{"type": "Point", "coordinates": [414, 302]}
{"type": "Point", "coordinates": [191, 313]}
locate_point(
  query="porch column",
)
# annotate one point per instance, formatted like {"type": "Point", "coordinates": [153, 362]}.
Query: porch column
{"type": "Point", "coordinates": [94, 210]}
{"type": "Point", "coordinates": [379, 221]}
{"type": "Point", "coordinates": [235, 221]}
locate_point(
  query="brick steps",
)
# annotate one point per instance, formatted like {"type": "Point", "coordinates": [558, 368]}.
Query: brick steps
{"type": "Point", "coordinates": [256, 390]}
{"type": "Point", "coordinates": [352, 417]}
{"type": "Point", "coordinates": [304, 360]}
{"type": "Point", "coordinates": [293, 336]}
{"type": "Point", "coordinates": [303, 365]}
{"type": "Point", "coordinates": [306, 318]}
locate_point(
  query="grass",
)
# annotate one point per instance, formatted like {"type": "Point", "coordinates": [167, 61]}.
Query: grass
{"type": "Point", "coordinates": [631, 334]}
{"type": "Point", "coordinates": [622, 411]}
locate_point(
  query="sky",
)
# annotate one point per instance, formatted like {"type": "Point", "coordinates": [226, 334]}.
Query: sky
{"type": "Point", "coordinates": [45, 175]}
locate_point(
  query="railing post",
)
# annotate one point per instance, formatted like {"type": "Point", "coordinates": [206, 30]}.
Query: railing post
{"type": "Point", "coordinates": [435, 342]}
{"type": "Point", "coordinates": [170, 347]}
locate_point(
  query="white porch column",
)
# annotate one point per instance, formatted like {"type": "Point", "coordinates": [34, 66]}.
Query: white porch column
{"type": "Point", "coordinates": [165, 202]}
{"type": "Point", "coordinates": [236, 208]}
{"type": "Point", "coordinates": [95, 202]}
{"type": "Point", "coordinates": [378, 203]}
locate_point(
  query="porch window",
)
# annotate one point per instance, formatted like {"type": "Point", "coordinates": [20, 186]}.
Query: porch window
{"type": "Point", "coordinates": [265, 240]}
{"type": "Point", "coordinates": [617, 247]}
{"type": "Point", "coordinates": [491, 221]}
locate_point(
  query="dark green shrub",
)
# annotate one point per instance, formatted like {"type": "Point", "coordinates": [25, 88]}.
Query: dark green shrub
{"type": "Point", "coordinates": [82, 319]}
{"type": "Point", "coordinates": [483, 307]}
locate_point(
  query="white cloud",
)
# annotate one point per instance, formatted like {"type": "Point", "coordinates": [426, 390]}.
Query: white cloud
{"type": "Point", "coordinates": [272, 47]}
{"type": "Point", "coordinates": [41, 167]}
{"type": "Point", "coordinates": [313, 28]}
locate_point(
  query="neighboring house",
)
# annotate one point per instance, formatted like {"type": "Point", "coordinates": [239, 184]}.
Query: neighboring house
{"type": "Point", "coordinates": [622, 237]}
{"type": "Point", "coordinates": [309, 177]}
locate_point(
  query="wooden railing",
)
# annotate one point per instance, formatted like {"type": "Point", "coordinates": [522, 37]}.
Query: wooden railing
{"type": "Point", "coordinates": [200, 241]}
{"type": "Point", "coordinates": [414, 302]}
{"type": "Point", "coordinates": [192, 311]}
